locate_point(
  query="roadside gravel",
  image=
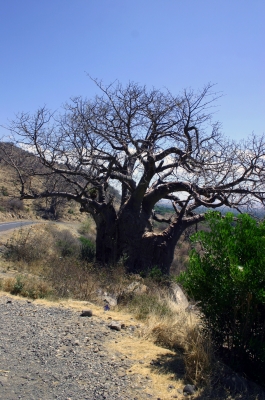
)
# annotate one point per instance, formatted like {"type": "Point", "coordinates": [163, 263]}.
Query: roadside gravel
{"type": "Point", "coordinates": [53, 353]}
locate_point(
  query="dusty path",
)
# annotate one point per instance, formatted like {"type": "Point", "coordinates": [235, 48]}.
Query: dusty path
{"type": "Point", "coordinates": [53, 353]}
{"type": "Point", "coordinates": [49, 352]}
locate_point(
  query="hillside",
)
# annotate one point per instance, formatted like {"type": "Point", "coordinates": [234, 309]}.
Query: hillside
{"type": "Point", "coordinates": [11, 207]}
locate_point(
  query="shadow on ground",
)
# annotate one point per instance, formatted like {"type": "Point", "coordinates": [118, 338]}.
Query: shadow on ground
{"type": "Point", "coordinates": [224, 384]}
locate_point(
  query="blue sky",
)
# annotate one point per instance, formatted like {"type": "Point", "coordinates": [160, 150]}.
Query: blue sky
{"type": "Point", "coordinates": [48, 47]}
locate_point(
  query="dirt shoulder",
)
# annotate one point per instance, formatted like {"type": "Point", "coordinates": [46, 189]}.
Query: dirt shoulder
{"type": "Point", "coordinates": [140, 355]}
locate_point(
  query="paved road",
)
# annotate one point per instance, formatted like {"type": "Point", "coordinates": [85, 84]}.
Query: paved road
{"type": "Point", "coordinates": [12, 225]}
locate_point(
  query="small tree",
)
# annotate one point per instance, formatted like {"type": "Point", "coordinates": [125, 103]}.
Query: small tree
{"type": "Point", "coordinates": [151, 146]}
{"type": "Point", "coordinates": [227, 276]}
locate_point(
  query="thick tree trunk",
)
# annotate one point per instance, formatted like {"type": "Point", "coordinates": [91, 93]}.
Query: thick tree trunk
{"type": "Point", "coordinates": [130, 235]}
{"type": "Point", "coordinates": [106, 239]}
{"type": "Point", "coordinates": [154, 250]}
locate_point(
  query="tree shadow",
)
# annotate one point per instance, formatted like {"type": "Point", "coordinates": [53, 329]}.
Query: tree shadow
{"type": "Point", "coordinates": [169, 364]}
{"type": "Point", "coordinates": [224, 383]}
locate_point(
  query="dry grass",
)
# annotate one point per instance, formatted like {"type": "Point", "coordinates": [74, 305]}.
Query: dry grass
{"type": "Point", "coordinates": [183, 332]}
{"type": "Point", "coordinates": [26, 286]}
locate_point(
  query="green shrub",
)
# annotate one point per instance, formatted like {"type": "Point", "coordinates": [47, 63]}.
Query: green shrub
{"type": "Point", "coordinates": [156, 273]}
{"type": "Point", "coordinates": [18, 286]}
{"type": "Point", "coordinates": [87, 249]}
{"type": "Point", "coordinates": [4, 191]}
{"type": "Point", "coordinates": [27, 286]}
{"type": "Point", "coordinates": [227, 276]}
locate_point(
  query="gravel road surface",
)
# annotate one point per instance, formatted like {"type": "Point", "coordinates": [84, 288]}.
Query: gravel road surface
{"type": "Point", "coordinates": [53, 353]}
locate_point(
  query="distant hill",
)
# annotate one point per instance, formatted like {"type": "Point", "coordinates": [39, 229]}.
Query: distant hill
{"type": "Point", "coordinates": [165, 207]}
{"type": "Point", "coordinates": [49, 208]}
{"type": "Point", "coordinates": [10, 204]}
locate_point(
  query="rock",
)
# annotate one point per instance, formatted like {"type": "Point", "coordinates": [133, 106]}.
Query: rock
{"type": "Point", "coordinates": [86, 313]}
{"type": "Point", "coordinates": [178, 295]}
{"type": "Point", "coordinates": [115, 325]}
{"type": "Point", "coordinates": [3, 380]}
{"type": "Point", "coordinates": [111, 299]}
{"type": "Point", "coordinates": [9, 302]}
{"type": "Point", "coordinates": [136, 287]}
{"type": "Point", "coordinates": [189, 389]}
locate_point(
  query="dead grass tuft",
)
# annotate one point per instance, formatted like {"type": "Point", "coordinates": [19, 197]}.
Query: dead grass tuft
{"type": "Point", "coordinates": [184, 332]}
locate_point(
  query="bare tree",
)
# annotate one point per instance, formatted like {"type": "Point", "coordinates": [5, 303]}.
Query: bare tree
{"type": "Point", "coordinates": [150, 145]}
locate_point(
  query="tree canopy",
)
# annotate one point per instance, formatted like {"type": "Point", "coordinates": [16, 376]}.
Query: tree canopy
{"type": "Point", "coordinates": [150, 145]}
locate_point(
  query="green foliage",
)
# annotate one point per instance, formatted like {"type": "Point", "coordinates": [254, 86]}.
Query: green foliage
{"type": "Point", "coordinates": [155, 273]}
{"type": "Point", "coordinates": [4, 191]}
{"type": "Point", "coordinates": [27, 286]}
{"type": "Point", "coordinates": [87, 250]}
{"type": "Point", "coordinates": [227, 276]}
{"type": "Point", "coordinates": [18, 286]}
{"type": "Point", "coordinates": [93, 193]}
{"type": "Point", "coordinates": [162, 210]}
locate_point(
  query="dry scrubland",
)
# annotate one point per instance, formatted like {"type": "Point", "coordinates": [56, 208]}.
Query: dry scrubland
{"type": "Point", "coordinates": [49, 261]}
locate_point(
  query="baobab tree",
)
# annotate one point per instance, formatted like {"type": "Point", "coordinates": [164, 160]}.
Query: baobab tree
{"type": "Point", "coordinates": [151, 146]}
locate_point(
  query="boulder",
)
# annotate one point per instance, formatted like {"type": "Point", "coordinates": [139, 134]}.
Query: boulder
{"type": "Point", "coordinates": [111, 299]}
{"type": "Point", "coordinates": [189, 389]}
{"type": "Point", "coordinates": [178, 295]}
{"type": "Point", "coordinates": [116, 326]}
{"type": "Point", "coordinates": [136, 287]}
{"type": "Point", "coordinates": [86, 313]}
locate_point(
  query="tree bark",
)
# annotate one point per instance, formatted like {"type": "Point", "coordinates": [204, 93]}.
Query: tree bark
{"type": "Point", "coordinates": [130, 235]}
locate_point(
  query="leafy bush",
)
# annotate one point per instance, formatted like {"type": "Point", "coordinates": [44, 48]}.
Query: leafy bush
{"type": "Point", "coordinates": [18, 286]}
{"type": "Point", "coordinates": [227, 276]}
{"type": "Point", "coordinates": [87, 250]}
{"type": "Point", "coordinates": [156, 273]}
{"type": "Point", "coordinates": [4, 191]}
